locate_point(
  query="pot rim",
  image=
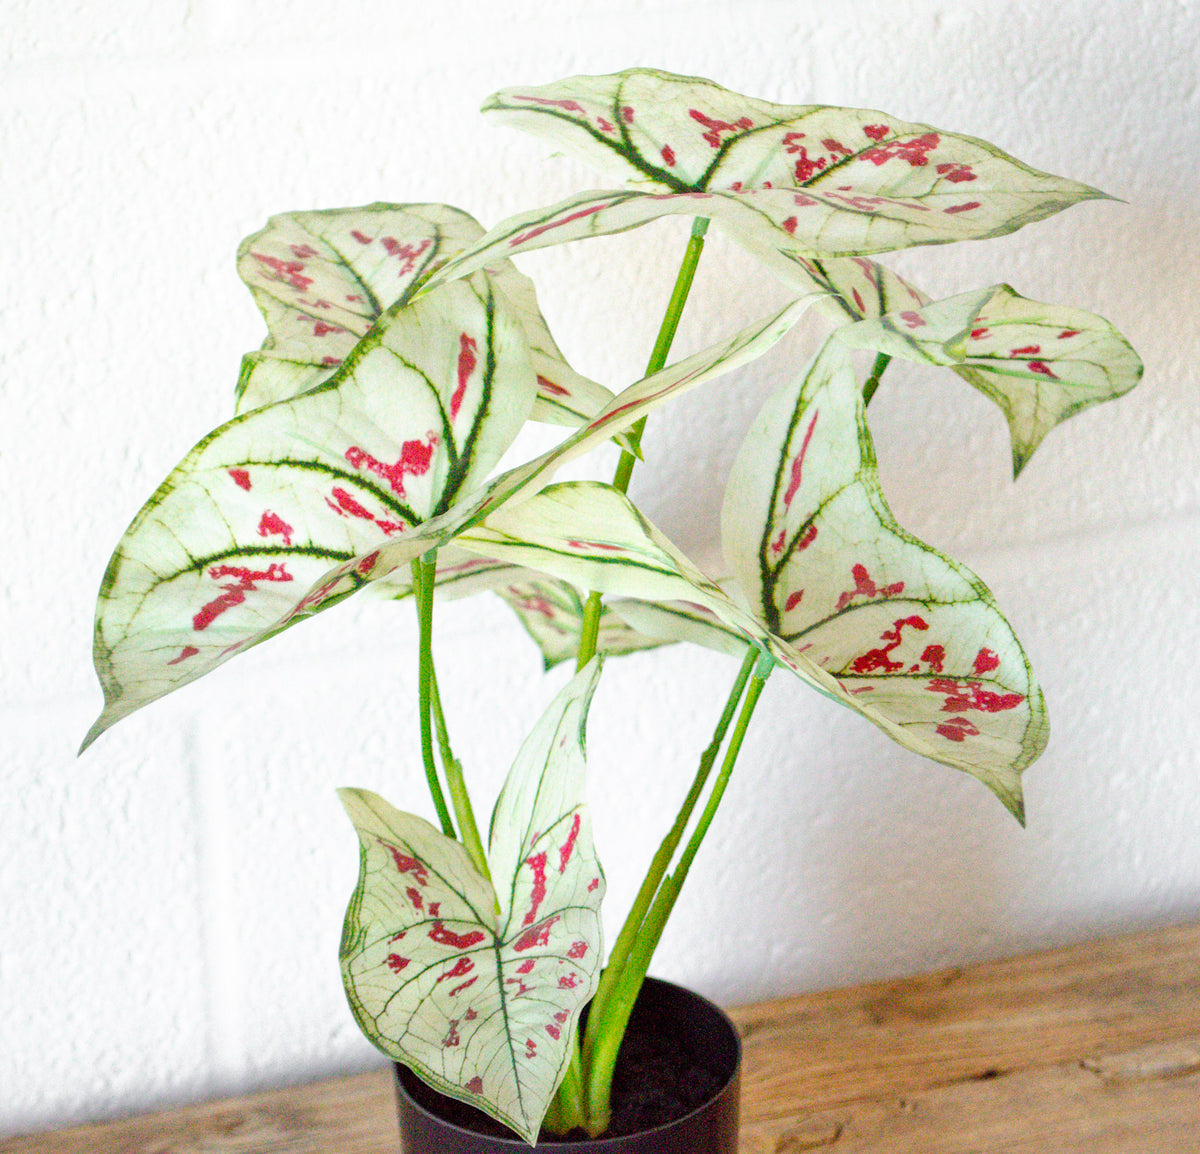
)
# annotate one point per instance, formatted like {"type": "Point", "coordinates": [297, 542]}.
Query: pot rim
{"type": "Point", "coordinates": [593, 1145]}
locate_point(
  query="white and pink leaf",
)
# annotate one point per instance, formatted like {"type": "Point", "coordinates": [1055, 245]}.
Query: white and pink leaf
{"type": "Point", "coordinates": [477, 984]}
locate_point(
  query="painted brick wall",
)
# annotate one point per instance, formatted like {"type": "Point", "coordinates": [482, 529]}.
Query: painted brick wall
{"type": "Point", "coordinates": [170, 905]}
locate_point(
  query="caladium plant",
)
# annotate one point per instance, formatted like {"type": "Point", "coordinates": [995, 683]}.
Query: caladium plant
{"type": "Point", "coordinates": [404, 354]}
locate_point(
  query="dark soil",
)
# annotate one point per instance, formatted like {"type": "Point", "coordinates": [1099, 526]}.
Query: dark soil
{"type": "Point", "coordinates": [659, 1077]}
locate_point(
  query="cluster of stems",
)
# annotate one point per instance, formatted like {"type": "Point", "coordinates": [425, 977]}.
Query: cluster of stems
{"type": "Point", "coordinates": [583, 1098]}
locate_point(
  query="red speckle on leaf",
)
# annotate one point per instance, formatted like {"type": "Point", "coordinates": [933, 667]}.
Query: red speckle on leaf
{"type": "Point", "coordinates": [466, 366]}
{"type": "Point", "coordinates": [1042, 368]}
{"type": "Point", "coordinates": [985, 662]}
{"type": "Point", "coordinates": [593, 884]}
{"type": "Point", "coordinates": [537, 863]}
{"type": "Point", "coordinates": [451, 1038]}
{"type": "Point", "coordinates": [568, 981]}
{"type": "Point", "coordinates": [408, 865]}
{"type": "Point", "coordinates": [961, 696]}
{"type": "Point", "coordinates": [414, 461]}
{"type": "Point", "coordinates": [789, 225]}
{"type": "Point", "coordinates": [605, 125]}
{"type": "Point", "coordinates": [877, 660]}
{"type": "Point", "coordinates": [578, 949]}
{"type": "Point", "coordinates": [716, 127]}
{"type": "Point", "coordinates": [956, 173]}
{"type": "Point", "coordinates": [1069, 333]}
{"type": "Point", "coordinates": [364, 567]}
{"type": "Point", "coordinates": [396, 963]}
{"type": "Point", "coordinates": [475, 1085]}
{"type": "Point", "coordinates": [331, 361]}
{"type": "Point", "coordinates": [186, 652]}
{"type": "Point", "coordinates": [971, 204]}
{"type": "Point", "coordinates": [865, 587]}
{"type": "Point", "coordinates": [568, 847]}
{"type": "Point", "coordinates": [876, 131]}
{"type": "Point", "coordinates": [445, 937]}
{"type": "Point", "coordinates": [303, 251]}
{"type": "Point", "coordinates": [1027, 351]}
{"type": "Point", "coordinates": [533, 603]}
{"type": "Point", "coordinates": [287, 271]}
{"type": "Point", "coordinates": [913, 152]}
{"type": "Point", "coordinates": [777, 544]}
{"type": "Point", "coordinates": [546, 385]}
{"type": "Point", "coordinates": [470, 1015]}
{"type": "Point", "coordinates": [553, 1031]}
{"type": "Point", "coordinates": [272, 525]}
{"type": "Point", "coordinates": [979, 334]}
{"type": "Point", "coordinates": [798, 462]}
{"type": "Point", "coordinates": [793, 601]}
{"type": "Point", "coordinates": [414, 896]}
{"type": "Point", "coordinates": [536, 935]}
{"type": "Point", "coordinates": [407, 254]}
{"type": "Point", "coordinates": [241, 478]}
{"type": "Point", "coordinates": [575, 543]}
{"type": "Point", "coordinates": [533, 233]}
{"type": "Point", "coordinates": [460, 968]}
{"type": "Point", "coordinates": [836, 147]}
{"type": "Point", "coordinates": [530, 1048]}
{"type": "Point", "coordinates": [361, 237]}
{"type": "Point", "coordinates": [627, 114]}
{"type": "Point", "coordinates": [805, 169]}
{"type": "Point", "coordinates": [345, 505]}
{"type": "Point", "coordinates": [806, 538]}
{"type": "Point", "coordinates": [913, 320]}
{"type": "Point", "coordinates": [934, 656]}
{"type": "Point", "coordinates": [958, 729]}
{"type": "Point", "coordinates": [862, 308]}
{"type": "Point", "coordinates": [526, 967]}
{"type": "Point", "coordinates": [321, 328]}
{"type": "Point", "coordinates": [565, 105]}
{"type": "Point", "coordinates": [668, 155]}
{"type": "Point", "coordinates": [246, 582]}
{"type": "Point", "coordinates": [434, 907]}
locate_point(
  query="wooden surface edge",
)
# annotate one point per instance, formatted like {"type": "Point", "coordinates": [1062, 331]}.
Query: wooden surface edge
{"type": "Point", "coordinates": [1095, 1047]}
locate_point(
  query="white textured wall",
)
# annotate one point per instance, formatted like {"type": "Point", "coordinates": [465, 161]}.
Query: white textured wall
{"type": "Point", "coordinates": [170, 905]}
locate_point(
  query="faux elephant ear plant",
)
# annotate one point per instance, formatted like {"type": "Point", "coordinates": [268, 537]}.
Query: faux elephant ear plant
{"type": "Point", "coordinates": [405, 352]}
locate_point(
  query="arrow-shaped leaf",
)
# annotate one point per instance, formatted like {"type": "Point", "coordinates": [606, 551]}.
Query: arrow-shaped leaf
{"type": "Point", "coordinates": [206, 571]}
{"type": "Point", "coordinates": [870, 182]}
{"type": "Point", "coordinates": [914, 637]}
{"type": "Point", "coordinates": [240, 539]}
{"type": "Point", "coordinates": [322, 279]}
{"type": "Point", "coordinates": [1040, 363]}
{"type": "Point", "coordinates": [478, 987]}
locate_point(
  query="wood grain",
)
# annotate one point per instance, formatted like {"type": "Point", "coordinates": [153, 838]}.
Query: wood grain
{"type": "Point", "coordinates": [1091, 1049]}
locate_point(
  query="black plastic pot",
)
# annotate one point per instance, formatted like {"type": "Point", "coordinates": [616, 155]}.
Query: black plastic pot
{"type": "Point", "coordinates": [708, 1128]}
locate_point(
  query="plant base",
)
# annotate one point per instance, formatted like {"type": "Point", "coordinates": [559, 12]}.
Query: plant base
{"type": "Point", "coordinates": [675, 1091]}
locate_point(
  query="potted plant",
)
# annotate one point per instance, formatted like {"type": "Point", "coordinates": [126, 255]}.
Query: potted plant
{"type": "Point", "coordinates": [404, 354]}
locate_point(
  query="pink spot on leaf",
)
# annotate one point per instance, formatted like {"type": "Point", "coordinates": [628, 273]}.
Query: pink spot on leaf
{"type": "Point", "coordinates": [864, 586]}
{"type": "Point", "coordinates": [958, 729]}
{"type": "Point", "coordinates": [445, 937]}
{"type": "Point", "coordinates": [578, 949]}
{"type": "Point", "coordinates": [985, 662]}
{"type": "Point", "coordinates": [971, 204]}
{"type": "Point", "coordinates": [184, 654]}
{"type": "Point", "coordinates": [246, 582]}
{"type": "Point", "coordinates": [915, 153]}
{"type": "Point", "coordinates": [876, 131]}
{"type": "Point", "coordinates": [415, 458]}
{"type": "Point", "coordinates": [272, 525]}
{"type": "Point", "coordinates": [668, 155]}
{"type": "Point", "coordinates": [956, 173]}
{"type": "Point", "coordinates": [474, 1086]}
{"type": "Point", "coordinates": [536, 935]}
{"type": "Point", "coordinates": [934, 656]}
{"type": "Point", "coordinates": [466, 366]}
{"type": "Point", "coordinates": [361, 237]}
{"type": "Point", "coordinates": [568, 847]}
{"type": "Point", "coordinates": [241, 478]}
{"type": "Point", "coordinates": [716, 127]}
{"type": "Point", "coordinates": [1042, 368]}
{"type": "Point", "coordinates": [537, 863]}
{"type": "Point", "coordinates": [877, 660]}
{"type": "Point", "coordinates": [545, 385]}
{"type": "Point", "coordinates": [396, 963]}
{"type": "Point", "coordinates": [798, 462]}
{"type": "Point", "coordinates": [287, 271]}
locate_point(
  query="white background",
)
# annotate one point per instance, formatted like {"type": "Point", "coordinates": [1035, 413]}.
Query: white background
{"type": "Point", "coordinates": [170, 904]}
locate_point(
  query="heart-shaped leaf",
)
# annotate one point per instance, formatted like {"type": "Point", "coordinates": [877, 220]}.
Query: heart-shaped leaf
{"type": "Point", "coordinates": [322, 279]}
{"type": "Point", "coordinates": [240, 539]}
{"type": "Point", "coordinates": [476, 986]}
{"type": "Point", "coordinates": [1040, 363]}
{"type": "Point", "coordinates": [870, 182]}
{"type": "Point", "coordinates": [914, 637]}
{"type": "Point", "coordinates": [192, 584]}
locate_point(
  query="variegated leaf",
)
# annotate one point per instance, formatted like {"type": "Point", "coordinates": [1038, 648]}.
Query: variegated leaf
{"type": "Point", "coordinates": [912, 636]}
{"type": "Point", "coordinates": [681, 621]}
{"type": "Point", "coordinates": [1040, 363]}
{"type": "Point", "coordinates": [870, 182]}
{"type": "Point", "coordinates": [276, 513]}
{"type": "Point", "coordinates": [476, 986]}
{"type": "Point", "coordinates": [157, 622]}
{"type": "Point", "coordinates": [551, 611]}
{"type": "Point", "coordinates": [322, 279]}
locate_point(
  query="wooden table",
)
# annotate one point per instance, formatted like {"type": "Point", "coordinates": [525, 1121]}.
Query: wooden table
{"type": "Point", "coordinates": [1094, 1049]}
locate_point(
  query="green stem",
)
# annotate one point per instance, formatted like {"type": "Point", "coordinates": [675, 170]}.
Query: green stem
{"type": "Point", "coordinates": [604, 1038]}
{"type": "Point", "coordinates": [590, 627]}
{"type": "Point", "coordinates": [423, 582]}
{"type": "Point", "coordinates": [456, 784]}
{"type": "Point", "coordinates": [622, 948]}
{"type": "Point", "coordinates": [872, 382]}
